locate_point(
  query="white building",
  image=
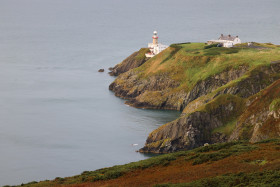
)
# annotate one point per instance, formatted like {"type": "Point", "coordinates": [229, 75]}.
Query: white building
{"type": "Point", "coordinates": [155, 47]}
{"type": "Point", "coordinates": [226, 41]}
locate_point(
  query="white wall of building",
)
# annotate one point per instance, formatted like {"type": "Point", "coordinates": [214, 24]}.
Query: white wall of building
{"type": "Point", "coordinates": [236, 41]}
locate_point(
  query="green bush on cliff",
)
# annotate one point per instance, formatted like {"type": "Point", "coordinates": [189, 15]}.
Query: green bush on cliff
{"type": "Point", "coordinates": [212, 51]}
{"type": "Point", "coordinates": [210, 46]}
{"type": "Point", "coordinates": [226, 129]}
{"type": "Point", "coordinates": [179, 45]}
{"type": "Point", "coordinates": [142, 54]}
{"type": "Point", "coordinates": [275, 105]}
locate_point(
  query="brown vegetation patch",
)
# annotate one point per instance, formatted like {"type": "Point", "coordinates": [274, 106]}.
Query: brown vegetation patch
{"type": "Point", "coordinates": [182, 171]}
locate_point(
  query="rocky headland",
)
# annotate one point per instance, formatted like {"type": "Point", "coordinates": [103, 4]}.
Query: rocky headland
{"type": "Point", "coordinates": [230, 121]}
{"type": "Point", "coordinates": [224, 94]}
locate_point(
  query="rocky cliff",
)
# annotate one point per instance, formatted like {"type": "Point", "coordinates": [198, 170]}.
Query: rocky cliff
{"type": "Point", "coordinates": [214, 87]}
{"type": "Point", "coordinates": [261, 120]}
{"type": "Point", "coordinates": [133, 61]}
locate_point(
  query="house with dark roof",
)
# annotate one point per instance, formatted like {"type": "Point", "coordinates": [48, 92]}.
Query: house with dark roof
{"type": "Point", "coordinates": [226, 40]}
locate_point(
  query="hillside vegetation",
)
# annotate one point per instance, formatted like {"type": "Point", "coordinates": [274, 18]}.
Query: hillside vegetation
{"type": "Point", "coordinates": [229, 98]}
{"type": "Point", "coordinates": [215, 88]}
{"type": "Point", "coordinates": [225, 164]}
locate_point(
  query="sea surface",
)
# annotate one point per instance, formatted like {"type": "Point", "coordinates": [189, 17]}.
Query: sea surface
{"type": "Point", "coordinates": [57, 116]}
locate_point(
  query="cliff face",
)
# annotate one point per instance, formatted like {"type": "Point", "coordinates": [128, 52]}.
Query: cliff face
{"type": "Point", "coordinates": [133, 61]}
{"type": "Point", "coordinates": [261, 120]}
{"type": "Point", "coordinates": [184, 133]}
{"type": "Point", "coordinates": [153, 92]}
{"type": "Point", "coordinates": [212, 119]}
{"type": "Point", "coordinates": [215, 88]}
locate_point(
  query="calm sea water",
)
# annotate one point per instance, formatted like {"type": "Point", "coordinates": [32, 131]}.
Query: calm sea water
{"type": "Point", "coordinates": [58, 117]}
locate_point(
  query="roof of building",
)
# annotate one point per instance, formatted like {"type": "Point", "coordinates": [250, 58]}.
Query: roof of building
{"type": "Point", "coordinates": [227, 37]}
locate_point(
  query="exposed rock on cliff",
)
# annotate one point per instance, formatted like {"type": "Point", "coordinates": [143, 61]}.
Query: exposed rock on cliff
{"type": "Point", "coordinates": [223, 109]}
{"type": "Point", "coordinates": [153, 92]}
{"type": "Point", "coordinates": [196, 128]}
{"type": "Point", "coordinates": [261, 118]}
{"type": "Point", "coordinates": [184, 133]}
{"type": "Point", "coordinates": [213, 87]}
{"type": "Point", "coordinates": [133, 61]}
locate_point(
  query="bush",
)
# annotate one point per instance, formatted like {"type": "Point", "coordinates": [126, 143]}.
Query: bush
{"type": "Point", "coordinates": [176, 46]}
{"type": "Point", "coordinates": [212, 53]}
{"type": "Point", "coordinates": [275, 105]}
{"type": "Point", "coordinates": [210, 46]}
{"type": "Point", "coordinates": [232, 50]}
{"type": "Point", "coordinates": [113, 174]}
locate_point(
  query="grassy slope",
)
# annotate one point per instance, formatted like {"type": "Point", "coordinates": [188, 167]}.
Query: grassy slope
{"type": "Point", "coordinates": [190, 63]}
{"type": "Point", "coordinates": [187, 64]}
{"type": "Point", "coordinates": [214, 164]}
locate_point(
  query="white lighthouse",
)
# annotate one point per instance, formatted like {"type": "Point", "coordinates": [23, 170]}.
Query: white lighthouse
{"type": "Point", "coordinates": [155, 38]}
{"type": "Point", "coordinates": [155, 47]}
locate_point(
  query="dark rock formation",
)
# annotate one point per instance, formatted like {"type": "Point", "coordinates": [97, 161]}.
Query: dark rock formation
{"type": "Point", "coordinates": [185, 133]}
{"type": "Point", "coordinates": [101, 70]}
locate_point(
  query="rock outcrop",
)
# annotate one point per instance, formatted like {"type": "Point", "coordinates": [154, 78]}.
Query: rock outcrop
{"type": "Point", "coordinates": [184, 133]}
{"type": "Point", "coordinates": [133, 61]}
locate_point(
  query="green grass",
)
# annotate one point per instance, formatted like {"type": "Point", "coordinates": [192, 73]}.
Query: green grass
{"type": "Point", "coordinates": [141, 54]}
{"type": "Point", "coordinates": [226, 129]}
{"type": "Point", "coordinates": [200, 68]}
{"type": "Point", "coordinates": [237, 103]}
{"type": "Point", "coordinates": [189, 63]}
{"type": "Point", "coordinates": [219, 151]}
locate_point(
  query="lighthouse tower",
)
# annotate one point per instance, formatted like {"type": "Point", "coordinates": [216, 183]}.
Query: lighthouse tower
{"type": "Point", "coordinates": [155, 47]}
{"type": "Point", "coordinates": [155, 38]}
